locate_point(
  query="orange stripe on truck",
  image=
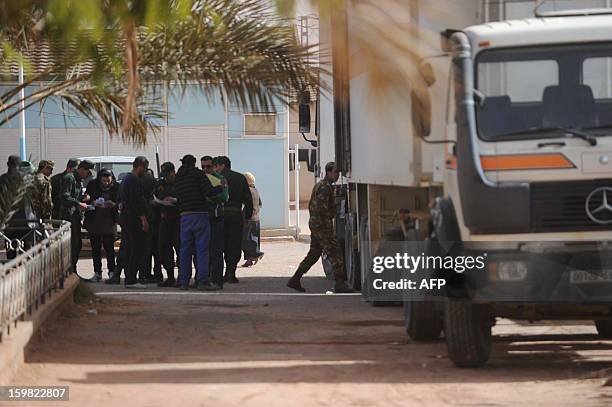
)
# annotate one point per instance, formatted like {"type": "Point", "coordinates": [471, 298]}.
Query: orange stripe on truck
{"type": "Point", "coordinates": [519, 162]}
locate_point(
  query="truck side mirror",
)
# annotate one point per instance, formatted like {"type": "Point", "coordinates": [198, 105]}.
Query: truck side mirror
{"type": "Point", "coordinates": [445, 39]}
{"type": "Point", "coordinates": [304, 111]}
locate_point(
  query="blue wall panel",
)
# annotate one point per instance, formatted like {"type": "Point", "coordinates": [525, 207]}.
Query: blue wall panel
{"type": "Point", "coordinates": [60, 115]}
{"type": "Point", "coordinates": [192, 108]}
{"type": "Point", "coordinates": [32, 114]}
{"type": "Point", "coordinates": [265, 159]}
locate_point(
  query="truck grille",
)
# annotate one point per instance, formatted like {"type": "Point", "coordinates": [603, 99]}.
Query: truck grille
{"type": "Point", "coordinates": [560, 206]}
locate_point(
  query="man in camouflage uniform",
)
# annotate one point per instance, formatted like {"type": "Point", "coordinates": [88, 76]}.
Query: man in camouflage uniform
{"type": "Point", "coordinates": [72, 206]}
{"type": "Point", "coordinates": [322, 208]}
{"type": "Point", "coordinates": [42, 202]}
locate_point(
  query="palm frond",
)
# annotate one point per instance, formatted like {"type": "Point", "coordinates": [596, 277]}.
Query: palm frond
{"type": "Point", "coordinates": [239, 44]}
{"type": "Point", "coordinates": [109, 108]}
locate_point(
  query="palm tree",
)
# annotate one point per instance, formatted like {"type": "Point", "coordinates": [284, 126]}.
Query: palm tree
{"type": "Point", "coordinates": [101, 66]}
{"type": "Point", "coordinates": [108, 59]}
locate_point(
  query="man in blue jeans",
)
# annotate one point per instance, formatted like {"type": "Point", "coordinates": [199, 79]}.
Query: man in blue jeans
{"type": "Point", "coordinates": [191, 188]}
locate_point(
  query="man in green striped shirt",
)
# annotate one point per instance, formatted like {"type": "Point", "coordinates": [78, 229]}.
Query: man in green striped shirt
{"type": "Point", "coordinates": [215, 213]}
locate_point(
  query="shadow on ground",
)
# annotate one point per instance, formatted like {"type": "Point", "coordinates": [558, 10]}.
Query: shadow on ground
{"type": "Point", "coordinates": [260, 332]}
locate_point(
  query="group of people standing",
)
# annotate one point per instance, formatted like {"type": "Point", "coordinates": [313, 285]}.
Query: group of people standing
{"type": "Point", "coordinates": [197, 215]}
{"type": "Point", "coordinates": [205, 217]}
{"type": "Point", "coordinates": [46, 197]}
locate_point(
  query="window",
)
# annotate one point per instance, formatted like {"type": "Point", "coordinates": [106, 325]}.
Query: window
{"type": "Point", "coordinates": [597, 74]}
{"type": "Point", "coordinates": [526, 97]}
{"type": "Point", "coordinates": [260, 125]}
{"type": "Point", "coordinates": [509, 79]}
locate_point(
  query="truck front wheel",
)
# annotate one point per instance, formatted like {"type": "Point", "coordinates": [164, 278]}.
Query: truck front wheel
{"type": "Point", "coordinates": [423, 321]}
{"type": "Point", "coordinates": [604, 328]}
{"type": "Point", "coordinates": [467, 328]}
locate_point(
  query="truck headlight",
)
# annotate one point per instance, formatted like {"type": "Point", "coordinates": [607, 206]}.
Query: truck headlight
{"type": "Point", "coordinates": [511, 270]}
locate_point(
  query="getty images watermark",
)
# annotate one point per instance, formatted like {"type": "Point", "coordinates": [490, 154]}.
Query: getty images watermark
{"type": "Point", "coordinates": [423, 264]}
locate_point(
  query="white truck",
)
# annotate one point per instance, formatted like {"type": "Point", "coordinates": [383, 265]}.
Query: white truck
{"type": "Point", "coordinates": [514, 160]}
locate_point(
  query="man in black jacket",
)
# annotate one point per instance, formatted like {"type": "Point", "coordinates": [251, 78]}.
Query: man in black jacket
{"type": "Point", "coordinates": [73, 205]}
{"type": "Point", "coordinates": [191, 188]}
{"type": "Point", "coordinates": [238, 208]}
{"type": "Point", "coordinates": [169, 230]}
{"type": "Point", "coordinates": [56, 185]}
{"type": "Point", "coordinates": [101, 223]}
{"type": "Point", "coordinates": [134, 223]}
{"type": "Point", "coordinates": [151, 259]}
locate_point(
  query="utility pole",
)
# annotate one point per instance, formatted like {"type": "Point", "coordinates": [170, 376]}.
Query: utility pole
{"type": "Point", "coordinates": [22, 135]}
{"type": "Point", "coordinates": [304, 30]}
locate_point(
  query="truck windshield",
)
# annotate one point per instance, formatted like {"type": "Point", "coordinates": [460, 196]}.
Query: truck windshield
{"type": "Point", "coordinates": [537, 92]}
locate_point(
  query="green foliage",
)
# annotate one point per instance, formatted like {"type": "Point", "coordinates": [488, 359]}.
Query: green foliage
{"type": "Point", "coordinates": [98, 57]}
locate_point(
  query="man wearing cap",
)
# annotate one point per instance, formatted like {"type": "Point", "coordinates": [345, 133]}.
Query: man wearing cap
{"type": "Point", "coordinates": [42, 202]}
{"type": "Point", "coordinates": [56, 186]}
{"type": "Point", "coordinates": [322, 210]}
{"type": "Point", "coordinates": [72, 206]}
{"type": "Point", "coordinates": [192, 187]}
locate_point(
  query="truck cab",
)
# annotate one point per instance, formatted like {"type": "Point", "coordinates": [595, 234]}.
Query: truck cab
{"type": "Point", "coordinates": [533, 126]}
{"type": "Point", "coordinates": [528, 178]}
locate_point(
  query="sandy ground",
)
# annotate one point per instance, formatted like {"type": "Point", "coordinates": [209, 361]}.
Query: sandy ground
{"type": "Point", "coordinates": [257, 344]}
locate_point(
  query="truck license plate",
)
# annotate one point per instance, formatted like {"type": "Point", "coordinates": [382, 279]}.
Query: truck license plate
{"type": "Point", "coordinates": [599, 276]}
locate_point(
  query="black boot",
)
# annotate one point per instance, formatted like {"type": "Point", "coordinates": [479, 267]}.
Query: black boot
{"type": "Point", "coordinates": [295, 283]}
{"type": "Point", "coordinates": [231, 277]}
{"type": "Point", "coordinates": [168, 283]}
{"type": "Point", "coordinates": [342, 287]}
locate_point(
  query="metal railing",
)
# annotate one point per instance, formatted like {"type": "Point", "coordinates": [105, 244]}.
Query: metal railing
{"type": "Point", "coordinates": [27, 280]}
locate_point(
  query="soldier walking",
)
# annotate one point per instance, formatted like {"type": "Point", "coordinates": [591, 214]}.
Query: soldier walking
{"type": "Point", "coordinates": [42, 201]}
{"type": "Point", "coordinates": [322, 210]}
{"type": "Point", "coordinates": [73, 206]}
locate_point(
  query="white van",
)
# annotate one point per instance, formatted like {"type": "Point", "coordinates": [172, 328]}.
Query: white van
{"type": "Point", "coordinates": [119, 165]}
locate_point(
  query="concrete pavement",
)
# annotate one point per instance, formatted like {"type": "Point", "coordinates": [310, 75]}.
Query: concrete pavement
{"type": "Point", "coordinates": [259, 344]}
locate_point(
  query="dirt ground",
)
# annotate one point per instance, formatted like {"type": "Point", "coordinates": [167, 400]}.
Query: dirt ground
{"type": "Point", "coordinates": [257, 344]}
